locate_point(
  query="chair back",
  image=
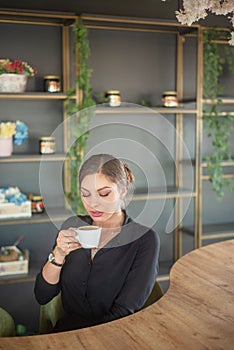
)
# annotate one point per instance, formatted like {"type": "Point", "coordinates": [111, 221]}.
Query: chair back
{"type": "Point", "coordinates": [155, 295]}
{"type": "Point", "coordinates": [7, 324]}
{"type": "Point", "coordinates": [50, 313]}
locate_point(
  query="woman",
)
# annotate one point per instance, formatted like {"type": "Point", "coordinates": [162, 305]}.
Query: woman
{"type": "Point", "coordinates": [104, 284]}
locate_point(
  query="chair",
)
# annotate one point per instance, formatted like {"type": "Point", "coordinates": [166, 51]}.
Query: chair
{"type": "Point", "coordinates": [51, 312]}
{"type": "Point", "coordinates": [154, 296]}
{"type": "Point", "coordinates": [7, 324]}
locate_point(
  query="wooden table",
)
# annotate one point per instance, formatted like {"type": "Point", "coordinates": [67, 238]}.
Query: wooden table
{"type": "Point", "coordinates": [196, 313]}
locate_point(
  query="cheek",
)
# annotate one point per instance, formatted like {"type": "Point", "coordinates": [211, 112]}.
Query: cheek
{"type": "Point", "coordinates": [112, 203]}
{"type": "Point", "coordinates": [86, 202]}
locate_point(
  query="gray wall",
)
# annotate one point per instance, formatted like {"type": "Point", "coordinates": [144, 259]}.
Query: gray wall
{"type": "Point", "coordinates": [139, 65]}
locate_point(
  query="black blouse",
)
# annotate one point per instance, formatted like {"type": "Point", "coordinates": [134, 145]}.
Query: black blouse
{"type": "Point", "coordinates": [116, 283]}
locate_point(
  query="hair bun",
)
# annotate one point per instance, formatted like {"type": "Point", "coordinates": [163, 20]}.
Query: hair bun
{"type": "Point", "coordinates": [129, 174]}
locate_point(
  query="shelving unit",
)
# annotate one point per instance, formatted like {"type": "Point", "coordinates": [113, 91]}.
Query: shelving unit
{"type": "Point", "coordinates": [59, 27]}
{"type": "Point", "coordinates": [59, 215]}
{"type": "Point", "coordinates": [185, 110]}
{"type": "Point", "coordinates": [45, 41]}
{"type": "Point", "coordinates": [175, 193]}
{"type": "Point", "coordinates": [208, 232]}
{"type": "Point", "coordinates": [205, 233]}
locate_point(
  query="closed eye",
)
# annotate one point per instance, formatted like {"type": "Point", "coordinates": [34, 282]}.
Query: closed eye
{"type": "Point", "coordinates": [104, 194]}
{"type": "Point", "coordinates": [85, 194]}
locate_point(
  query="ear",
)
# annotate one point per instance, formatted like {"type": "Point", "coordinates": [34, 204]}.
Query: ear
{"type": "Point", "coordinates": [123, 193]}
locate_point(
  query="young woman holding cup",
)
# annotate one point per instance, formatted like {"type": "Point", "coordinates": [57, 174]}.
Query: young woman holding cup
{"type": "Point", "coordinates": [111, 276]}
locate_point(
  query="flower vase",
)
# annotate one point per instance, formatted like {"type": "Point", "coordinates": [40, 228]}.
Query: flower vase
{"type": "Point", "coordinates": [6, 146]}
{"type": "Point", "coordinates": [13, 82]}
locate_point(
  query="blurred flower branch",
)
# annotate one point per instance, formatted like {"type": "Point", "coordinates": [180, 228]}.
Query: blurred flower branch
{"type": "Point", "coordinates": [193, 10]}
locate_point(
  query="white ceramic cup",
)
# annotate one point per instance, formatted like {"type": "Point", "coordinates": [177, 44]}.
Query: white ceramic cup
{"type": "Point", "coordinates": [89, 236]}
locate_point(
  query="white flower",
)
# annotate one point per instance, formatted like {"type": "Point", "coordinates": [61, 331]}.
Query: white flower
{"type": "Point", "coordinates": [193, 10]}
{"type": "Point", "coordinates": [231, 41]}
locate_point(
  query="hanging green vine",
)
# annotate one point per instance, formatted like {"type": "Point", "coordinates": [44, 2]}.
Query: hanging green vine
{"type": "Point", "coordinates": [82, 114]}
{"type": "Point", "coordinates": [219, 128]}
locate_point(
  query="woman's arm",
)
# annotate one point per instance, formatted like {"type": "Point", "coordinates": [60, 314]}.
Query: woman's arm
{"type": "Point", "coordinates": [65, 243]}
{"type": "Point", "coordinates": [140, 280]}
{"type": "Point", "coordinates": [47, 282]}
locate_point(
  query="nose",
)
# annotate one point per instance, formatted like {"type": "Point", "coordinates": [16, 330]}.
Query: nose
{"type": "Point", "coordinates": [93, 201]}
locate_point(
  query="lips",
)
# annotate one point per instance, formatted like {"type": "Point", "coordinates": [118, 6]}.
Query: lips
{"type": "Point", "coordinates": [96, 214]}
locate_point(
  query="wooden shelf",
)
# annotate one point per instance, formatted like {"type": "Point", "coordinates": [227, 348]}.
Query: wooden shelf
{"type": "Point", "coordinates": [164, 270]}
{"type": "Point", "coordinates": [22, 278]}
{"type": "Point", "coordinates": [160, 193]}
{"type": "Point", "coordinates": [224, 176]}
{"type": "Point", "coordinates": [143, 110]}
{"type": "Point", "coordinates": [59, 214]}
{"type": "Point", "coordinates": [226, 163]}
{"type": "Point", "coordinates": [40, 18]}
{"type": "Point", "coordinates": [26, 158]}
{"type": "Point", "coordinates": [225, 101]}
{"type": "Point", "coordinates": [33, 96]}
{"type": "Point", "coordinates": [220, 114]}
{"type": "Point", "coordinates": [34, 269]}
{"type": "Point", "coordinates": [136, 24]}
{"type": "Point", "coordinates": [214, 231]}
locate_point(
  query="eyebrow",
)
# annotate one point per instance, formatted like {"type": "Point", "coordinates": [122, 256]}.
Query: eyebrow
{"type": "Point", "coordinates": [103, 188]}
{"type": "Point", "coordinates": [100, 189]}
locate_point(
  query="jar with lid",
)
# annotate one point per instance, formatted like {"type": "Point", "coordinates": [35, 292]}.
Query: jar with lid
{"type": "Point", "coordinates": [113, 98]}
{"type": "Point", "coordinates": [47, 145]}
{"type": "Point", "coordinates": [37, 205]}
{"type": "Point", "coordinates": [169, 99]}
{"type": "Point", "coordinates": [52, 83]}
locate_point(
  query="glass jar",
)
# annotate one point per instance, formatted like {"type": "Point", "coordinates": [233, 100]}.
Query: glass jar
{"type": "Point", "coordinates": [169, 99]}
{"type": "Point", "coordinates": [47, 145]}
{"type": "Point", "coordinates": [113, 98]}
{"type": "Point", "coordinates": [37, 205]}
{"type": "Point", "coordinates": [51, 83]}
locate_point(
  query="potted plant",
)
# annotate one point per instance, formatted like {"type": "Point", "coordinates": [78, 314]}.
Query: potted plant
{"type": "Point", "coordinates": [11, 133]}
{"type": "Point", "coordinates": [14, 74]}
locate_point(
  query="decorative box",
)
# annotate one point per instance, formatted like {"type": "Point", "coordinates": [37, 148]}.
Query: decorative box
{"type": "Point", "coordinates": [14, 204]}
{"type": "Point", "coordinates": [19, 264]}
{"type": "Point", "coordinates": [11, 210]}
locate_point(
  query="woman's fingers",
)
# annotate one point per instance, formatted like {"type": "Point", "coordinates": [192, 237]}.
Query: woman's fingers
{"type": "Point", "coordinates": [67, 240]}
{"type": "Point", "coordinates": [73, 246]}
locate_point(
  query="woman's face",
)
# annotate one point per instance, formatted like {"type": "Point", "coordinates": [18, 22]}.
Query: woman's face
{"type": "Point", "coordinates": [100, 196]}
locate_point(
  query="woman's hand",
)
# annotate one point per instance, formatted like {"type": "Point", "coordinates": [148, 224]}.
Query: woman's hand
{"type": "Point", "coordinates": [66, 242]}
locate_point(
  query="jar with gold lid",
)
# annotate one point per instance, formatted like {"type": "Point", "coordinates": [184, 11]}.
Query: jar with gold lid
{"type": "Point", "coordinates": [113, 98]}
{"type": "Point", "coordinates": [37, 205]}
{"type": "Point", "coordinates": [169, 99]}
{"type": "Point", "coordinates": [52, 83]}
{"type": "Point", "coordinates": [47, 145]}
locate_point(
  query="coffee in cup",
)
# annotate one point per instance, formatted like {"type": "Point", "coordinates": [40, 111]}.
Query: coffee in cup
{"type": "Point", "coordinates": [89, 236]}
